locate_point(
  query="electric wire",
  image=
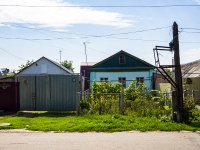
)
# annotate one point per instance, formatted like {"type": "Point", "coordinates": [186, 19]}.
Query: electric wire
{"type": "Point", "coordinates": [101, 6]}
{"type": "Point", "coordinates": [12, 54]}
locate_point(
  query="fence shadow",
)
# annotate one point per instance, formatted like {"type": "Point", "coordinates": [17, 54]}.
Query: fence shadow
{"type": "Point", "coordinates": [34, 114]}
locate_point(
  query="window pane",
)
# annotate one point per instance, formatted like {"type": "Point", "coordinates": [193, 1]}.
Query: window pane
{"type": "Point", "coordinates": [103, 79]}
{"type": "Point", "coordinates": [123, 81]}
{"type": "Point", "coordinates": [122, 59]}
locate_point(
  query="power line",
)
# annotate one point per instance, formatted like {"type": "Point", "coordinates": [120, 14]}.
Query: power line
{"type": "Point", "coordinates": [102, 6]}
{"type": "Point", "coordinates": [190, 32]}
{"type": "Point", "coordinates": [190, 28]}
{"type": "Point", "coordinates": [49, 39]}
{"type": "Point", "coordinates": [88, 36]}
{"type": "Point", "coordinates": [11, 54]}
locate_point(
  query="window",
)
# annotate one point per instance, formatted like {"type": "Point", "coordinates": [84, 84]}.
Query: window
{"type": "Point", "coordinates": [140, 79]}
{"type": "Point", "coordinates": [121, 59]}
{"type": "Point", "coordinates": [44, 68]}
{"type": "Point", "coordinates": [123, 81]}
{"type": "Point", "coordinates": [104, 79]}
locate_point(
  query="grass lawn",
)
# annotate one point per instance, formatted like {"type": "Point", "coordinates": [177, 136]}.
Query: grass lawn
{"type": "Point", "coordinates": [51, 121]}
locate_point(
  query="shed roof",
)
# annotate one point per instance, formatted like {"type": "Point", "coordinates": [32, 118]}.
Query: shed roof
{"type": "Point", "coordinates": [191, 69]}
{"type": "Point", "coordinates": [88, 63]}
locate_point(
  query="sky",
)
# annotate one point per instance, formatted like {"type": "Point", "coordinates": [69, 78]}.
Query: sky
{"type": "Point", "coordinates": [92, 30]}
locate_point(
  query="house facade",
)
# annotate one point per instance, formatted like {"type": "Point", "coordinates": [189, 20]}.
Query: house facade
{"type": "Point", "coordinates": [122, 67]}
{"type": "Point", "coordinates": [45, 66]}
{"type": "Point", "coordinates": [85, 72]}
{"type": "Point", "coordinates": [0, 75]}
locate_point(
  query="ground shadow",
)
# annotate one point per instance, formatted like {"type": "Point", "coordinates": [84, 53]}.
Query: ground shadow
{"type": "Point", "coordinates": [33, 114]}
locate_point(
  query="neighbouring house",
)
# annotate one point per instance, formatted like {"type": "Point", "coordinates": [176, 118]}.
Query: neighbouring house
{"type": "Point", "coordinates": [160, 81]}
{"type": "Point", "coordinates": [0, 75]}
{"type": "Point", "coordinates": [191, 70]}
{"type": "Point", "coordinates": [47, 85]}
{"type": "Point", "coordinates": [123, 67]}
{"type": "Point", "coordinates": [5, 70]}
{"type": "Point", "coordinates": [191, 78]}
{"type": "Point", "coordinates": [45, 66]}
{"type": "Point", "coordinates": [84, 70]}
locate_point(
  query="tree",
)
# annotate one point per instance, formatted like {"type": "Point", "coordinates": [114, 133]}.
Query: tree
{"type": "Point", "coordinates": [68, 65]}
{"type": "Point", "coordinates": [22, 66]}
{"type": "Point", "coordinates": [168, 70]}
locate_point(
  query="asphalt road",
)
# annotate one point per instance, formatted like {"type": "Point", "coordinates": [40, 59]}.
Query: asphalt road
{"type": "Point", "coordinates": [27, 140]}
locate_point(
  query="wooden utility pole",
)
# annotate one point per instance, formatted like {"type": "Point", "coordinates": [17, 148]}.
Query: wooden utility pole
{"type": "Point", "coordinates": [178, 94]}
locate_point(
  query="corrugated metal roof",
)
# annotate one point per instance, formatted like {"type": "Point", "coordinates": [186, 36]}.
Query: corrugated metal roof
{"type": "Point", "coordinates": [59, 65]}
{"type": "Point", "coordinates": [88, 63]}
{"type": "Point", "coordinates": [191, 69]}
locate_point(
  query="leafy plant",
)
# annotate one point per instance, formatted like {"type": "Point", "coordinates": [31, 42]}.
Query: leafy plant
{"type": "Point", "coordinates": [190, 112]}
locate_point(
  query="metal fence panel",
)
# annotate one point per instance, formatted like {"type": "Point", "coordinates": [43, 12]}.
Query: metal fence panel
{"type": "Point", "coordinates": [27, 92]}
{"type": "Point", "coordinates": [63, 92]}
{"type": "Point", "coordinates": [42, 93]}
{"type": "Point", "coordinates": [9, 96]}
{"type": "Point", "coordinates": [49, 92]}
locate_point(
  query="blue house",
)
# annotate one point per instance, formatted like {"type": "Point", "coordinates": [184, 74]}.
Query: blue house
{"type": "Point", "coordinates": [123, 67]}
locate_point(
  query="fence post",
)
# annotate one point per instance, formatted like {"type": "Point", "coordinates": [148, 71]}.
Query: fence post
{"type": "Point", "coordinates": [78, 103]}
{"type": "Point", "coordinates": [122, 103]}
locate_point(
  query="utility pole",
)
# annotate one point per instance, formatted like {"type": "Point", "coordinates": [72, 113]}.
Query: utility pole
{"type": "Point", "coordinates": [178, 100]}
{"type": "Point", "coordinates": [177, 95]}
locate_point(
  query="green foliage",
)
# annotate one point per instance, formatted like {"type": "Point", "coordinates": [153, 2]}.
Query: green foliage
{"type": "Point", "coordinates": [190, 112]}
{"type": "Point", "coordinates": [134, 90]}
{"type": "Point", "coordinates": [5, 76]}
{"type": "Point", "coordinates": [22, 66]}
{"type": "Point", "coordinates": [102, 101]}
{"type": "Point", "coordinates": [68, 65]}
{"type": "Point", "coordinates": [105, 99]}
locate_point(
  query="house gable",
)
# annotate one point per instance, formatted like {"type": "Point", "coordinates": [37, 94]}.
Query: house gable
{"type": "Point", "coordinates": [45, 66]}
{"type": "Point", "coordinates": [122, 61]}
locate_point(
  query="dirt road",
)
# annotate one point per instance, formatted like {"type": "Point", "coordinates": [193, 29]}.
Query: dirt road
{"type": "Point", "coordinates": [21, 139]}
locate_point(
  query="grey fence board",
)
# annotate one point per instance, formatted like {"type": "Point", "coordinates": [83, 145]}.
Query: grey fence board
{"type": "Point", "coordinates": [27, 92]}
{"type": "Point", "coordinates": [42, 93]}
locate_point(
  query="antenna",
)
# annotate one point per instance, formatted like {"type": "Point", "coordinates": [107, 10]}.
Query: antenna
{"type": "Point", "coordinates": [60, 61]}
{"type": "Point", "coordinates": [60, 57]}
{"type": "Point", "coordinates": [86, 51]}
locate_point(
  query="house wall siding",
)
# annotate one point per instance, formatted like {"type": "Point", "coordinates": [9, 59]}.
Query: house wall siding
{"type": "Point", "coordinates": [113, 76]}
{"type": "Point", "coordinates": [36, 69]}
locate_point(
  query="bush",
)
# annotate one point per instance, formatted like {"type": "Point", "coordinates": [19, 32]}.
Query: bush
{"type": "Point", "coordinates": [190, 112]}
{"type": "Point", "coordinates": [105, 99]}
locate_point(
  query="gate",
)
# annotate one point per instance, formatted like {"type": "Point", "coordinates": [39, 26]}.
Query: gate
{"type": "Point", "coordinates": [9, 96]}
{"type": "Point", "coordinates": [49, 92]}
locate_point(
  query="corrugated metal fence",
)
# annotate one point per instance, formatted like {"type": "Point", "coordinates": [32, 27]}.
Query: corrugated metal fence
{"type": "Point", "coordinates": [49, 92]}
{"type": "Point", "coordinates": [9, 96]}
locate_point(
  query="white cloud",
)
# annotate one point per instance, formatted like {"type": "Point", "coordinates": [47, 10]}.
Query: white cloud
{"type": "Point", "coordinates": [190, 55]}
{"type": "Point", "coordinates": [197, 1]}
{"type": "Point", "coordinates": [58, 16]}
